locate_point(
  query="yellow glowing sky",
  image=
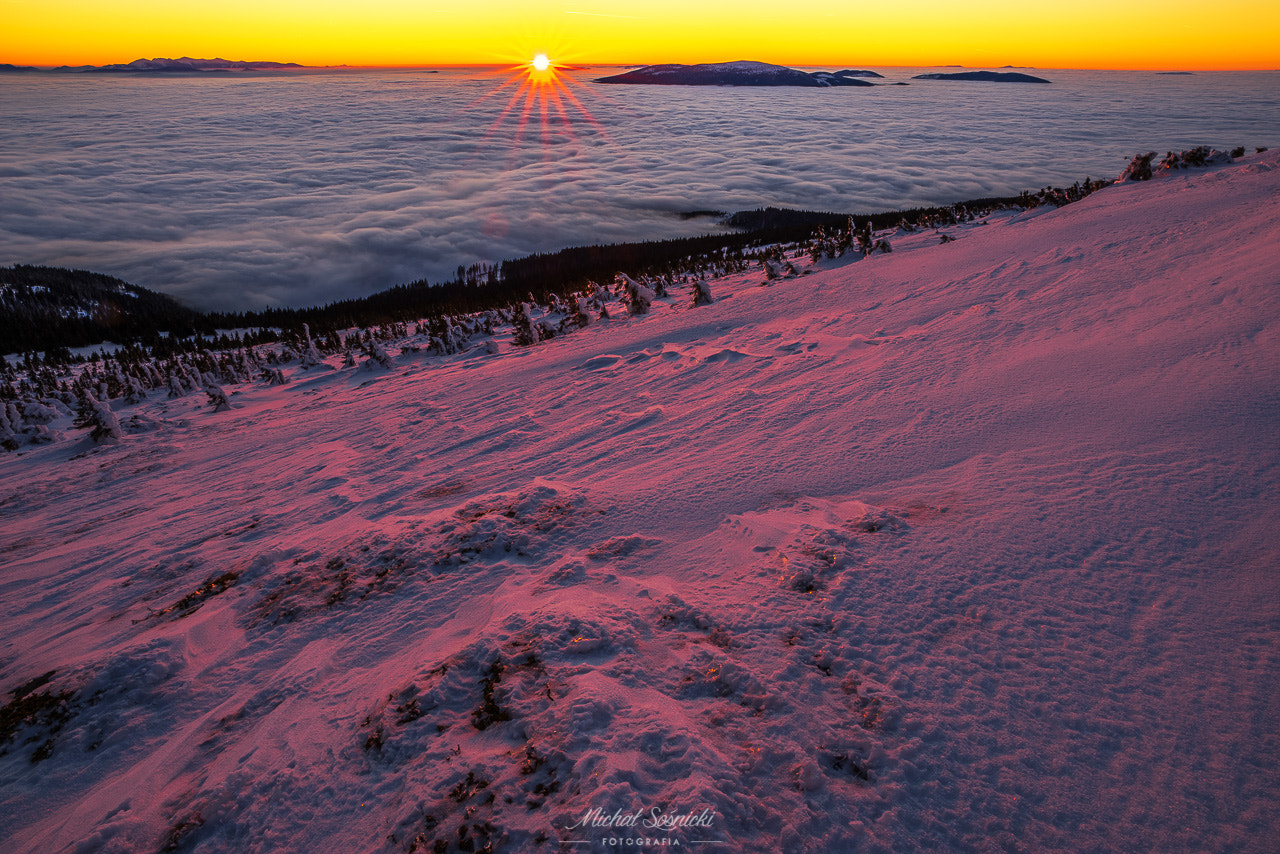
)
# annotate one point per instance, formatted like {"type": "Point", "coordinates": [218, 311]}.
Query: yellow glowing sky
{"type": "Point", "coordinates": [1172, 34]}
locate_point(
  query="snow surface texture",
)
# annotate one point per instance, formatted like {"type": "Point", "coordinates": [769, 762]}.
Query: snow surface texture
{"type": "Point", "coordinates": [966, 547]}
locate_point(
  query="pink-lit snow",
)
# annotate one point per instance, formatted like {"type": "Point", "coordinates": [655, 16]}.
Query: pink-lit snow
{"type": "Point", "coordinates": [966, 547]}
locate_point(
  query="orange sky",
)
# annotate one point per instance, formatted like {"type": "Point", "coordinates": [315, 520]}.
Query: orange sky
{"type": "Point", "coordinates": [1175, 34]}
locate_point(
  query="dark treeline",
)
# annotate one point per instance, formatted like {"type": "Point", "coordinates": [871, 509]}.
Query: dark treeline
{"type": "Point", "coordinates": [541, 275]}
{"type": "Point", "coordinates": [45, 307]}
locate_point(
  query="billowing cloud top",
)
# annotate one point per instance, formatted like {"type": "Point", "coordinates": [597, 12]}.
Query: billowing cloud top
{"type": "Point", "coordinates": [296, 191]}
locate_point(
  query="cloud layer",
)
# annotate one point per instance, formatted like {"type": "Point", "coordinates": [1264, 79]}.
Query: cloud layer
{"type": "Point", "coordinates": [300, 190]}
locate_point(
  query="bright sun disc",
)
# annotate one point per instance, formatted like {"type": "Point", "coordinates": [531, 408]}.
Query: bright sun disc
{"type": "Point", "coordinates": [541, 63]}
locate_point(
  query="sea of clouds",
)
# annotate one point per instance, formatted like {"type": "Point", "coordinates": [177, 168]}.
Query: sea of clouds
{"type": "Point", "coordinates": [302, 189]}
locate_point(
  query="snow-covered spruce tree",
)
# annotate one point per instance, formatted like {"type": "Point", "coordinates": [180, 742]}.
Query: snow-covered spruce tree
{"type": "Point", "coordinates": [310, 355]}
{"type": "Point", "coordinates": [134, 392]}
{"type": "Point", "coordinates": [636, 296]}
{"type": "Point", "coordinates": [8, 430]}
{"type": "Point", "coordinates": [217, 397]}
{"type": "Point", "coordinates": [866, 242]}
{"type": "Point", "coordinates": [701, 294]}
{"type": "Point", "coordinates": [275, 376]}
{"type": "Point", "coordinates": [103, 425]}
{"type": "Point", "coordinates": [447, 337]}
{"type": "Point", "coordinates": [580, 317]}
{"type": "Point", "coordinates": [1139, 168]}
{"type": "Point", "coordinates": [378, 355]}
{"type": "Point", "coordinates": [523, 332]}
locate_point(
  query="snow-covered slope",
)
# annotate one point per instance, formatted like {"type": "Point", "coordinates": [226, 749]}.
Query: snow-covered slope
{"type": "Point", "coordinates": [964, 547]}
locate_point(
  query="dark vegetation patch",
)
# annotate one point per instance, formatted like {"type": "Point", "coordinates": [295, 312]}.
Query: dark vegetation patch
{"type": "Point", "coordinates": [489, 712]}
{"type": "Point", "coordinates": [179, 836]}
{"type": "Point", "coordinates": [45, 713]}
{"type": "Point", "coordinates": [189, 604]}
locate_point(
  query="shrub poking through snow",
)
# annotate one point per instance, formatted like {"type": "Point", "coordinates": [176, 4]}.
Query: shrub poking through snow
{"type": "Point", "coordinates": [489, 712]}
{"type": "Point", "coordinates": [1139, 169]}
{"type": "Point", "coordinates": [40, 714]}
{"type": "Point", "coordinates": [1194, 158]}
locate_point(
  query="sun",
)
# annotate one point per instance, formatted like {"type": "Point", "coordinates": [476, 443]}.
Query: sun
{"type": "Point", "coordinates": [540, 96]}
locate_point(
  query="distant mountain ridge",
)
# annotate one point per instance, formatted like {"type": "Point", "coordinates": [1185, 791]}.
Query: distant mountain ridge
{"type": "Point", "coordinates": [740, 73]}
{"type": "Point", "coordinates": [983, 76]}
{"type": "Point", "coordinates": [185, 64]}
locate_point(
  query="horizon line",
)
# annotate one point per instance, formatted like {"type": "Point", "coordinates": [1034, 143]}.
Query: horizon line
{"type": "Point", "coordinates": [45, 66]}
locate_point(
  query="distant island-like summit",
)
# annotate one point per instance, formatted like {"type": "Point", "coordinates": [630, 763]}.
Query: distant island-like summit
{"type": "Point", "coordinates": [183, 65]}
{"type": "Point", "coordinates": [741, 73]}
{"type": "Point", "coordinates": [985, 76]}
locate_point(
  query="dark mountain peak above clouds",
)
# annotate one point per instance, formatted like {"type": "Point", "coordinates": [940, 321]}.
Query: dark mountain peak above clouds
{"type": "Point", "coordinates": [984, 76]}
{"type": "Point", "coordinates": [183, 65]}
{"type": "Point", "coordinates": [740, 73]}
{"type": "Point", "coordinates": [7, 68]}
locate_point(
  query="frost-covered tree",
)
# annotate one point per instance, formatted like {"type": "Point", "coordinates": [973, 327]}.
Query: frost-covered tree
{"type": "Point", "coordinates": [524, 334]}
{"type": "Point", "coordinates": [636, 296]}
{"type": "Point", "coordinates": [378, 355]}
{"type": "Point", "coordinates": [1139, 168]}
{"type": "Point", "coordinates": [217, 397]}
{"type": "Point", "coordinates": [310, 355]}
{"type": "Point", "coordinates": [581, 316]}
{"type": "Point", "coordinates": [134, 392]}
{"type": "Point", "coordinates": [275, 376]}
{"type": "Point", "coordinates": [8, 430]}
{"type": "Point", "coordinates": [104, 427]}
{"type": "Point", "coordinates": [701, 293]}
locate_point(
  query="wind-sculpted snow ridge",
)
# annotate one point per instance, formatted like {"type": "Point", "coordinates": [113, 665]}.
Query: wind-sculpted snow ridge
{"type": "Point", "coordinates": [962, 546]}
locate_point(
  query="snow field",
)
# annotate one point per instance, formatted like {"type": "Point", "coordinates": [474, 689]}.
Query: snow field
{"type": "Point", "coordinates": [964, 547]}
